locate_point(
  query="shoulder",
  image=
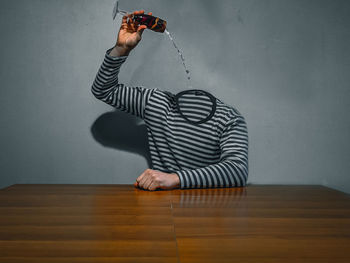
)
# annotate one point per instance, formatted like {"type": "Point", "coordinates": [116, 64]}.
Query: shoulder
{"type": "Point", "coordinates": [159, 95]}
{"type": "Point", "coordinates": [227, 113]}
{"type": "Point", "coordinates": [231, 119]}
{"type": "Point", "coordinates": [163, 93]}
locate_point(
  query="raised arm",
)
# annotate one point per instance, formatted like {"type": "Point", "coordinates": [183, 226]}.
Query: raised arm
{"type": "Point", "coordinates": [232, 169]}
{"type": "Point", "coordinates": [106, 86]}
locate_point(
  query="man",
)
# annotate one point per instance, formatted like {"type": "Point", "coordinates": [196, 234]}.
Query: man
{"type": "Point", "coordinates": [184, 155]}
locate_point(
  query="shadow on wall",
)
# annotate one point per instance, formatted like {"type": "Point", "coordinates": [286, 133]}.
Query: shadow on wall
{"type": "Point", "coordinates": [122, 131]}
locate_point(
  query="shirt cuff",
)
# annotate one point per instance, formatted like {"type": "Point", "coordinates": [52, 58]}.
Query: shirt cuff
{"type": "Point", "coordinates": [123, 58]}
{"type": "Point", "coordinates": [182, 175]}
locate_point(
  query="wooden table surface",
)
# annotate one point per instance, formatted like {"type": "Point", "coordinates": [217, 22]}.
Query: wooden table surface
{"type": "Point", "coordinates": [120, 223]}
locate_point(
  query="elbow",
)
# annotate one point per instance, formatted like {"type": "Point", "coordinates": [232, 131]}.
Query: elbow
{"type": "Point", "coordinates": [245, 177]}
{"type": "Point", "coordinates": [94, 91]}
{"type": "Point", "coordinates": [244, 168]}
{"type": "Point", "coordinates": [240, 170]}
{"type": "Point", "coordinates": [242, 174]}
{"type": "Point", "coordinates": [97, 91]}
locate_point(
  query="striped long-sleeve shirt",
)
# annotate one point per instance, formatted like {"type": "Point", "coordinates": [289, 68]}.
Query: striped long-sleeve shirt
{"type": "Point", "coordinates": [207, 155]}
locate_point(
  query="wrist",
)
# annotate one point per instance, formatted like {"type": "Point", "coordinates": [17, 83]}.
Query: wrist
{"type": "Point", "coordinates": [177, 180]}
{"type": "Point", "coordinates": [118, 51]}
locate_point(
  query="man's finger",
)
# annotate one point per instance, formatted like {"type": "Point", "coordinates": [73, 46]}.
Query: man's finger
{"type": "Point", "coordinates": [129, 19]}
{"type": "Point", "coordinates": [153, 186]}
{"type": "Point", "coordinates": [148, 182]}
{"type": "Point", "coordinates": [125, 20]}
{"type": "Point", "coordinates": [140, 177]}
{"type": "Point", "coordinates": [140, 29]}
{"type": "Point", "coordinates": [143, 180]}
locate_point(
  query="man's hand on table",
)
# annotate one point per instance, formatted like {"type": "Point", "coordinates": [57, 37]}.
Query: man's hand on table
{"type": "Point", "coordinates": [153, 179]}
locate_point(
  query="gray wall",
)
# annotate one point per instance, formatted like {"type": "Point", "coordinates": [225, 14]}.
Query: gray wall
{"type": "Point", "coordinates": [284, 64]}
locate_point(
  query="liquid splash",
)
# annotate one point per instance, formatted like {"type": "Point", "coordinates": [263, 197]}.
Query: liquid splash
{"type": "Point", "coordinates": [116, 10]}
{"type": "Point", "coordinates": [180, 54]}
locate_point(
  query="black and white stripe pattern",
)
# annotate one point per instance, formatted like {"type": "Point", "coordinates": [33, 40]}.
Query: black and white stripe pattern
{"type": "Point", "coordinates": [207, 155]}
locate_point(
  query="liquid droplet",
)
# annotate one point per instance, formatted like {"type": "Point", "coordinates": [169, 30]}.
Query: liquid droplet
{"type": "Point", "coordinates": [181, 56]}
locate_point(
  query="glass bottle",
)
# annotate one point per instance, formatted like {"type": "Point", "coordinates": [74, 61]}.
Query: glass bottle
{"type": "Point", "coordinates": [151, 22]}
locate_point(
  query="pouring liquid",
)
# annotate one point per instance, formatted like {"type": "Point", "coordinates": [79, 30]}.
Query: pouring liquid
{"type": "Point", "coordinates": [158, 26]}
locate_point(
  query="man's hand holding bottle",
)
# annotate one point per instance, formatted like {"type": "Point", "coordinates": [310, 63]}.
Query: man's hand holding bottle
{"type": "Point", "coordinates": [129, 35]}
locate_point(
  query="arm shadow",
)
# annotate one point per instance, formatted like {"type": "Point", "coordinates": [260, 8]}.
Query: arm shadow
{"type": "Point", "coordinates": [122, 131]}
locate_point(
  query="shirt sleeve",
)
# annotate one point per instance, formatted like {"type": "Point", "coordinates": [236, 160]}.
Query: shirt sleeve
{"type": "Point", "coordinates": [106, 88]}
{"type": "Point", "coordinates": [232, 169]}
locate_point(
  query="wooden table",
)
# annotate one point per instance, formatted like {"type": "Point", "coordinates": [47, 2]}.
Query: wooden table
{"type": "Point", "coordinates": [120, 223]}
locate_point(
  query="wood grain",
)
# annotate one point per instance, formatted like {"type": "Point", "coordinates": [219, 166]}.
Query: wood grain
{"type": "Point", "coordinates": [263, 224]}
{"type": "Point", "coordinates": [84, 223]}
{"type": "Point", "coordinates": [120, 223]}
